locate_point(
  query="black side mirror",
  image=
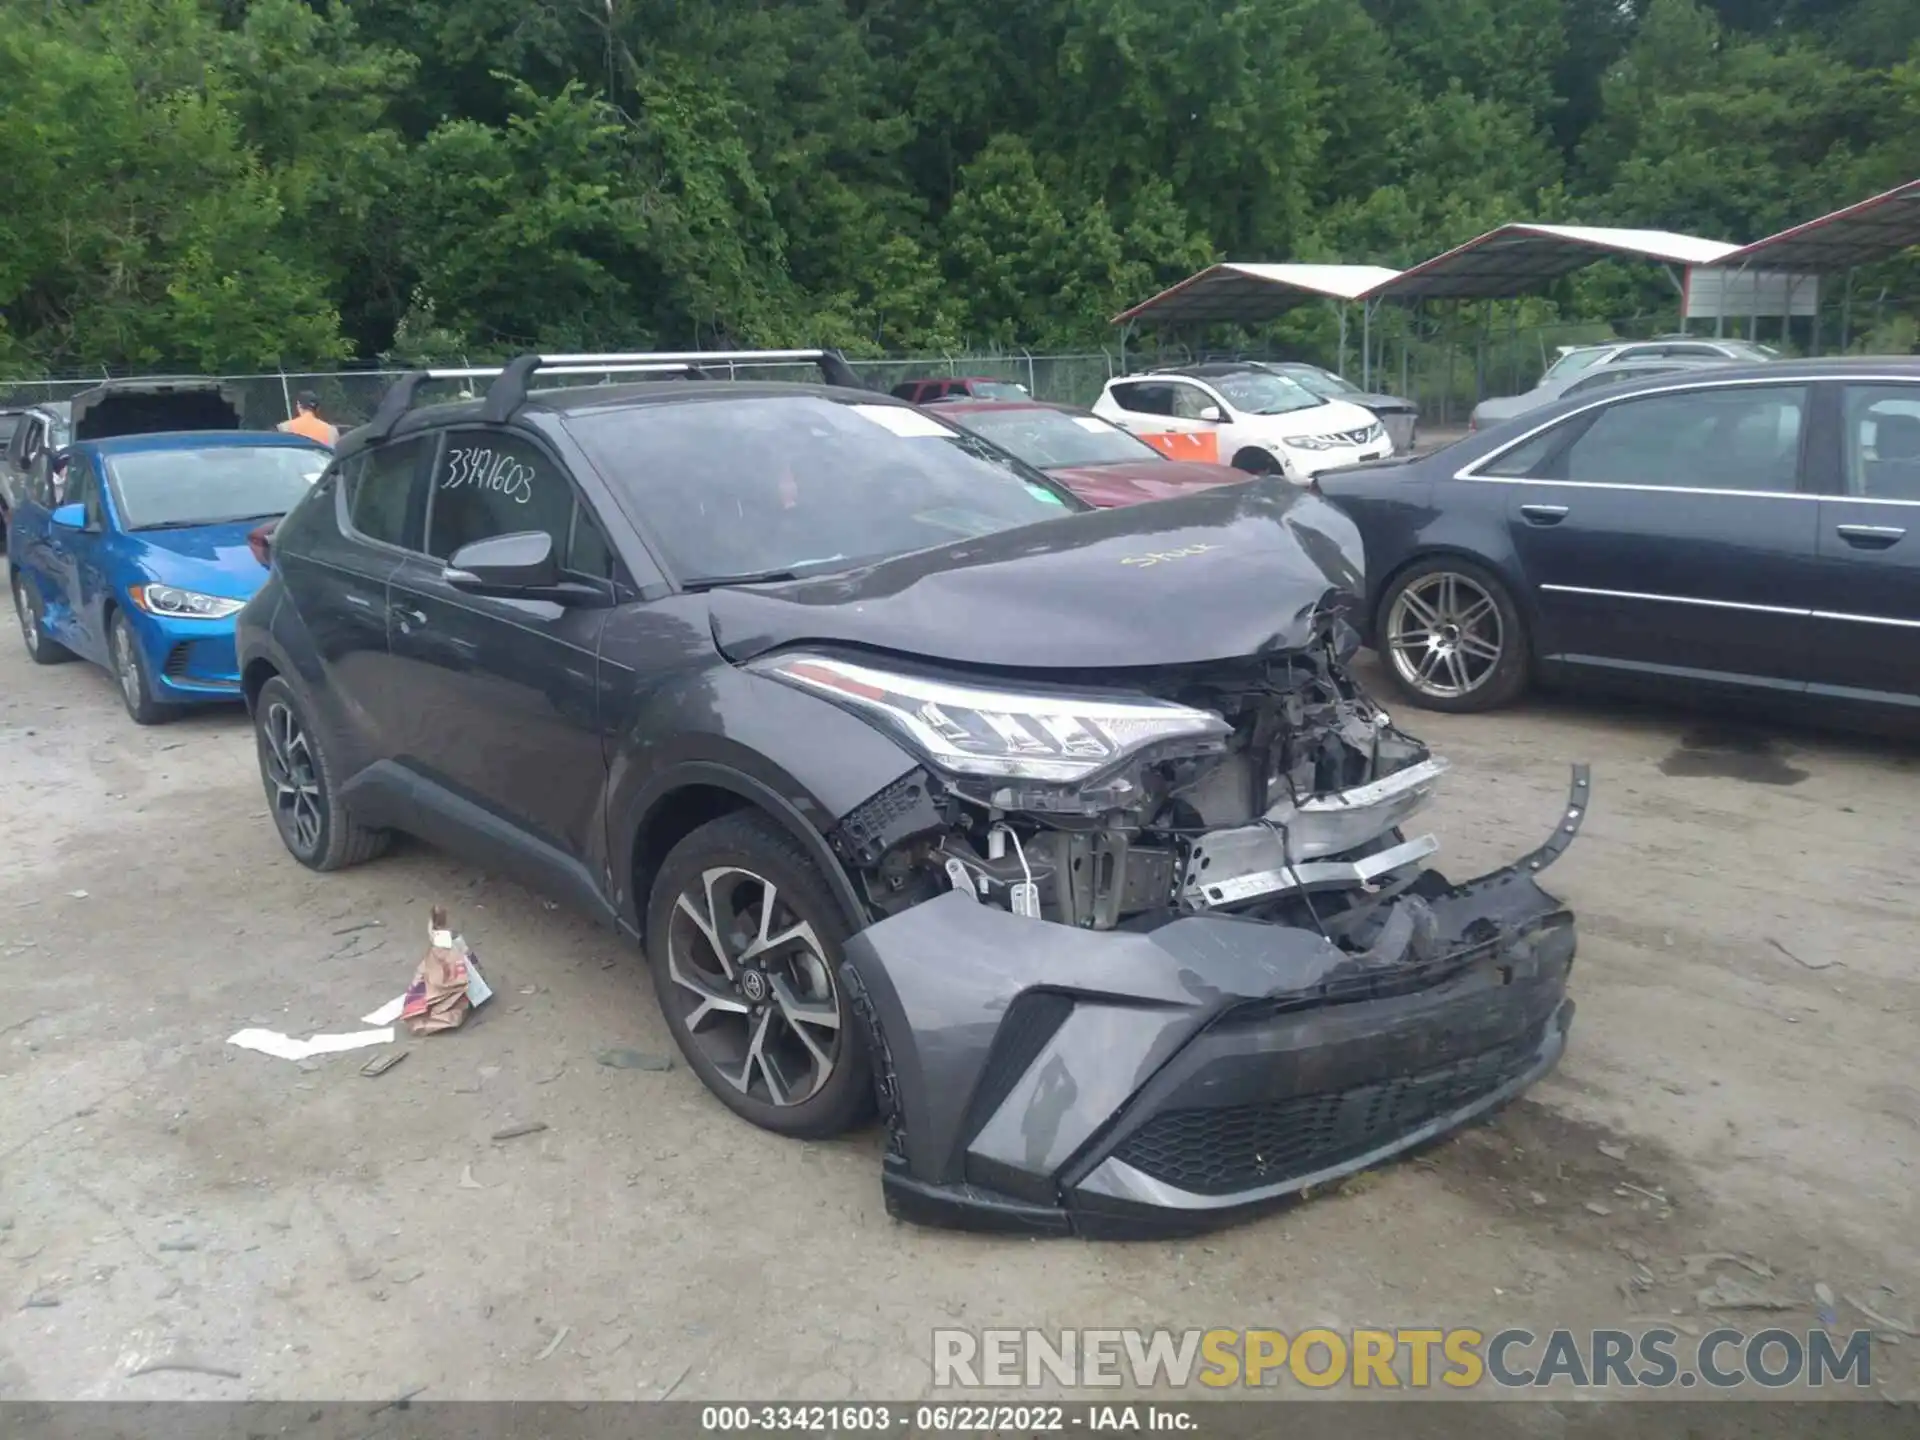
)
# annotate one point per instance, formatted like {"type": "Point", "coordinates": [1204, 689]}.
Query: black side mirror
{"type": "Point", "coordinates": [518, 566]}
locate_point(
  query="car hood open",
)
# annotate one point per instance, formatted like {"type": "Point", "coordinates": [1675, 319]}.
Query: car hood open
{"type": "Point", "coordinates": [1226, 573]}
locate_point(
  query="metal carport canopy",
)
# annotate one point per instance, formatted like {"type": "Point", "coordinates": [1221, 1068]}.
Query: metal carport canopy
{"type": "Point", "coordinates": [1874, 229]}
{"type": "Point", "coordinates": [1520, 259]}
{"type": "Point", "coordinates": [1247, 294]}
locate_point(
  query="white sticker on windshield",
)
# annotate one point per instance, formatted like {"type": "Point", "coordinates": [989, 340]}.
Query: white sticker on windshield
{"type": "Point", "coordinates": [1087, 422]}
{"type": "Point", "coordinates": [903, 421]}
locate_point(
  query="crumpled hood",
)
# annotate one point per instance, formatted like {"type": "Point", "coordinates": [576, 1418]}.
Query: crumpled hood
{"type": "Point", "coordinates": [1136, 482]}
{"type": "Point", "coordinates": [1226, 573]}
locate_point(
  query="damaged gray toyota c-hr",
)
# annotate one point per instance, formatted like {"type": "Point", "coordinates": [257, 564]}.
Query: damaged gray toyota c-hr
{"type": "Point", "coordinates": [1068, 838]}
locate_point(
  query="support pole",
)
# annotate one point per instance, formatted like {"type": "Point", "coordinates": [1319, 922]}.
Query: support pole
{"type": "Point", "coordinates": [1340, 306]}
{"type": "Point", "coordinates": [1366, 345]}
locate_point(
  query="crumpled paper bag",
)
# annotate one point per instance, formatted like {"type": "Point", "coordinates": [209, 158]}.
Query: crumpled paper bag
{"type": "Point", "coordinates": [446, 986]}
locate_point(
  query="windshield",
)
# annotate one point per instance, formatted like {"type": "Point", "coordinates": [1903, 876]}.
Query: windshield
{"type": "Point", "coordinates": [171, 489]}
{"type": "Point", "coordinates": [1746, 350]}
{"type": "Point", "coordinates": [1259, 393]}
{"type": "Point", "coordinates": [1575, 361]}
{"type": "Point", "coordinates": [757, 488]}
{"type": "Point", "coordinates": [996, 390]}
{"type": "Point", "coordinates": [1048, 438]}
{"type": "Point", "coordinates": [1324, 383]}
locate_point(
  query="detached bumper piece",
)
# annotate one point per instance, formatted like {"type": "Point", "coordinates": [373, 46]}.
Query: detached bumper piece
{"type": "Point", "coordinates": [1041, 1079]}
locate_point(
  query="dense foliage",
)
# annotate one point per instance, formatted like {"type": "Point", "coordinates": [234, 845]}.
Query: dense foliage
{"type": "Point", "coordinates": [220, 184]}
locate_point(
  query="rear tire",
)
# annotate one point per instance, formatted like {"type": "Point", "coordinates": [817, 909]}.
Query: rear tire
{"type": "Point", "coordinates": [303, 792]}
{"type": "Point", "coordinates": [1452, 637]}
{"type": "Point", "coordinates": [744, 940]}
{"type": "Point", "coordinates": [41, 648]}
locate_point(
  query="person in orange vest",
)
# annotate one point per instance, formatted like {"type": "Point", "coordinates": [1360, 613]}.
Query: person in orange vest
{"type": "Point", "coordinates": [306, 421]}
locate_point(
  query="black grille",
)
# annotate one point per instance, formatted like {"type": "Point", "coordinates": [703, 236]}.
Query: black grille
{"type": "Point", "coordinates": [177, 658]}
{"type": "Point", "coordinates": [1030, 1022]}
{"type": "Point", "coordinates": [1243, 1147]}
{"type": "Point", "coordinates": [879, 823]}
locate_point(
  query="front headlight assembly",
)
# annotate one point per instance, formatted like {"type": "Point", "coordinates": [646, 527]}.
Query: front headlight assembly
{"type": "Point", "coordinates": [968, 730]}
{"type": "Point", "coordinates": [1313, 442]}
{"type": "Point", "coordinates": [178, 604]}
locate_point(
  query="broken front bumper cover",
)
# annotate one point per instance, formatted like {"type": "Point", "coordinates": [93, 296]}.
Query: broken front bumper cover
{"type": "Point", "coordinates": [1048, 1080]}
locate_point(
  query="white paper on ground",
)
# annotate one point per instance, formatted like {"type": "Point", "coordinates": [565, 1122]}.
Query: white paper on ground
{"type": "Point", "coordinates": [285, 1047]}
{"type": "Point", "coordinates": [478, 993]}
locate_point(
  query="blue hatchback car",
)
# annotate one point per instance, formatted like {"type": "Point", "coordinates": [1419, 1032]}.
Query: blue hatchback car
{"type": "Point", "coordinates": [136, 555]}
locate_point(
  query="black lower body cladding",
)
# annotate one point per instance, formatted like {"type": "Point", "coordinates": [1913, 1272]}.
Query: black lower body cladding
{"type": "Point", "coordinates": [1043, 1079]}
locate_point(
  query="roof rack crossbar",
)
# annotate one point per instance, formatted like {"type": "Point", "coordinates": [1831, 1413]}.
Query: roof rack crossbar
{"type": "Point", "coordinates": [508, 393]}
{"type": "Point", "coordinates": [512, 381]}
{"type": "Point", "coordinates": [400, 395]}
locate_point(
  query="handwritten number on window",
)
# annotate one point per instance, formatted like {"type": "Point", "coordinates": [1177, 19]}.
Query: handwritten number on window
{"type": "Point", "coordinates": [478, 468]}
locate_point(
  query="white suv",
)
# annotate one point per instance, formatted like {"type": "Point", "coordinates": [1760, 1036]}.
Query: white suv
{"type": "Point", "coordinates": [1246, 417]}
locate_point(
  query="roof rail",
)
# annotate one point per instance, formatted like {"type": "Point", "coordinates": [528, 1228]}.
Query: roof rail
{"type": "Point", "coordinates": [512, 380]}
{"type": "Point", "coordinates": [509, 392]}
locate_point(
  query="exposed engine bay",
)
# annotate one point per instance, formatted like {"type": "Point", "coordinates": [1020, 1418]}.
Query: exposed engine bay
{"type": "Point", "coordinates": [1288, 810]}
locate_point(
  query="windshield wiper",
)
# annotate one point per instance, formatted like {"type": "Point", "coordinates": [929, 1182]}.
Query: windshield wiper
{"type": "Point", "coordinates": [799, 570]}
{"type": "Point", "coordinates": [200, 524]}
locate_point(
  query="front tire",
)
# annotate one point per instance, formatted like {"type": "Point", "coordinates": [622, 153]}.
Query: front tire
{"type": "Point", "coordinates": [744, 941]}
{"type": "Point", "coordinates": [1452, 637]}
{"type": "Point", "coordinates": [1257, 462]}
{"type": "Point", "coordinates": [303, 791]}
{"type": "Point", "coordinates": [132, 674]}
{"type": "Point", "coordinates": [41, 649]}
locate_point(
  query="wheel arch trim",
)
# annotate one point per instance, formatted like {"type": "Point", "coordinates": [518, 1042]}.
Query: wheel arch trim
{"type": "Point", "coordinates": [756, 793]}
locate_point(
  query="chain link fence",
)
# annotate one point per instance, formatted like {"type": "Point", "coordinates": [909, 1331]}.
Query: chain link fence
{"type": "Point", "coordinates": [1443, 362]}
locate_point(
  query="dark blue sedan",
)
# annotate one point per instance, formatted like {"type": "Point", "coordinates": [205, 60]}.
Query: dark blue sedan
{"type": "Point", "coordinates": [137, 552]}
{"type": "Point", "coordinates": [1753, 530]}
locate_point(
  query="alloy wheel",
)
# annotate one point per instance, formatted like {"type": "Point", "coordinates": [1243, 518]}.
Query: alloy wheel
{"type": "Point", "coordinates": [294, 777]}
{"type": "Point", "coordinates": [29, 624]}
{"type": "Point", "coordinates": [126, 665]}
{"type": "Point", "coordinates": [757, 994]}
{"type": "Point", "coordinates": [1445, 635]}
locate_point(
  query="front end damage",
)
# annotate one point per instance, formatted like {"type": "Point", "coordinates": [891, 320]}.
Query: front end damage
{"type": "Point", "coordinates": [1210, 972]}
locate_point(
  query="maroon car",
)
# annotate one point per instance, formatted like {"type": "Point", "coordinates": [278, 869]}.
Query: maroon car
{"type": "Point", "coordinates": [958, 387]}
{"type": "Point", "coordinates": [1098, 461]}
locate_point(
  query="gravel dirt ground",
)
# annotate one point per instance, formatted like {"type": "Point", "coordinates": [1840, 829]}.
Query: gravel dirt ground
{"type": "Point", "coordinates": [1741, 1082]}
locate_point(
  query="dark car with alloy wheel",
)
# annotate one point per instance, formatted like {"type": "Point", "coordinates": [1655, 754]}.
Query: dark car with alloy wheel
{"type": "Point", "coordinates": [1061, 835]}
{"type": "Point", "coordinates": [1749, 530]}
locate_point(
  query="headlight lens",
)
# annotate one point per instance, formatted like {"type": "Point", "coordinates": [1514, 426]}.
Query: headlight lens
{"type": "Point", "coordinates": [1312, 442]}
{"type": "Point", "coordinates": [180, 604]}
{"type": "Point", "coordinates": [969, 730]}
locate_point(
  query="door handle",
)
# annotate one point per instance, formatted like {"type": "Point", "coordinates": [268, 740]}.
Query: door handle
{"type": "Point", "coordinates": [1544, 514]}
{"type": "Point", "coordinates": [1870, 537]}
{"type": "Point", "coordinates": [408, 619]}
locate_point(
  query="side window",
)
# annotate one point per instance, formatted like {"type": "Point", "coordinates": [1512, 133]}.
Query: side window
{"type": "Point", "coordinates": [588, 552]}
{"type": "Point", "coordinates": [1142, 397]}
{"type": "Point", "coordinates": [489, 483]}
{"type": "Point", "coordinates": [1740, 438]}
{"type": "Point", "coordinates": [384, 492]}
{"type": "Point", "coordinates": [1189, 401]}
{"type": "Point", "coordinates": [1880, 428]}
{"type": "Point", "coordinates": [1528, 459]}
{"type": "Point", "coordinates": [80, 485]}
